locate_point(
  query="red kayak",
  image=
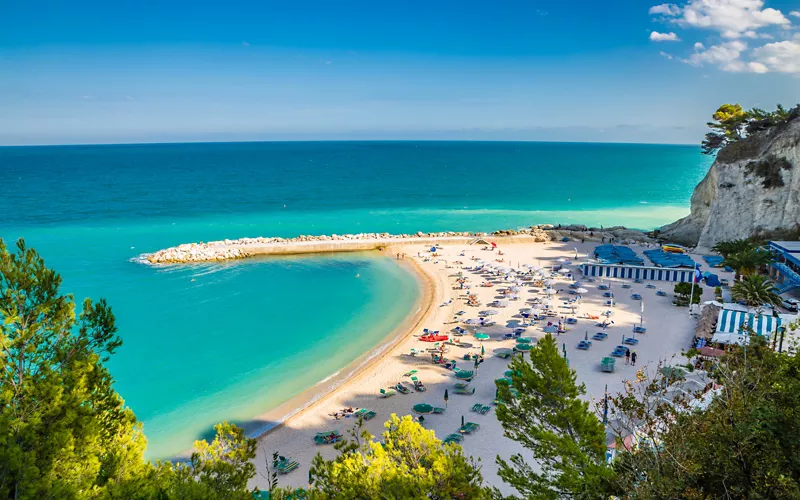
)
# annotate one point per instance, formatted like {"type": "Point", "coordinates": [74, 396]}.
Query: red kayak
{"type": "Point", "coordinates": [434, 338]}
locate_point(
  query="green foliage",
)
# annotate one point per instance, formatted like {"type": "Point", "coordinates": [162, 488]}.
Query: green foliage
{"type": "Point", "coordinates": [409, 463]}
{"type": "Point", "coordinates": [549, 417]}
{"type": "Point", "coordinates": [770, 170]}
{"type": "Point", "coordinates": [748, 261]}
{"type": "Point", "coordinates": [65, 432]}
{"type": "Point", "coordinates": [727, 248]}
{"type": "Point", "coordinates": [684, 292]}
{"type": "Point", "coordinates": [745, 444]}
{"type": "Point", "coordinates": [756, 290]}
{"type": "Point", "coordinates": [731, 124]}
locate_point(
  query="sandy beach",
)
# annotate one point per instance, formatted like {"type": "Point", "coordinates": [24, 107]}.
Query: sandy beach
{"type": "Point", "coordinates": [669, 330]}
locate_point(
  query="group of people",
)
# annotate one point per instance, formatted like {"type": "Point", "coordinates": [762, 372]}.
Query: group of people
{"type": "Point", "coordinates": [343, 413]}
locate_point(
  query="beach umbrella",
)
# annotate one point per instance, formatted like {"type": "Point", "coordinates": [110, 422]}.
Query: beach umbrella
{"type": "Point", "coordinates": [523, 347]}
{"type": "Point", "coordinates": [503, 350]}
{"type": "Point", "coordinates": [564, 270]}
{"type": "Point", "coordinates": [511, 373]}
{"type": "Point", "coordinates": [605, 406]}
{"type": "Point", "coordinates": [423, 408]}
{"type": "Point", "coordinates": [483, 351]}
{"type": "Point", "coordinates": [503, 381]}
{"type": "Point", "coordinates": [481, 336]}
{"type": "Point", "coordinates": [549, 282]}
{"type": "Point", "coordinates": [581, 290]}
{"type": "Point", "coordinates": [550, 329]}
{"type": "Point", "coordinates": [524, 340]}
{"type": "Point", "coordinates": [550, 291]}
{"type": "Point", "coordinates": [489, 312]}
{"type": "Point", "coordinates": [472, 321]}
{"type": "Point", "coordinates": [462, 420]}
{"type": "Point", "coordinates": [563, 259]}
{"type": "Point", "coordinates": [446, 397]}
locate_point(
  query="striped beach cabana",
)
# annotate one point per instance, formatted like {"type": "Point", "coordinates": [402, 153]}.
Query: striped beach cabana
{"type": "Point", "coordinates": [645, 273]}
{"type": "Point", "coordinates": [733, 321]}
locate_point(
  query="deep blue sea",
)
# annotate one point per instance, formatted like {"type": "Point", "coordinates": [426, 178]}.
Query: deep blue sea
{"type": "Point", "coordinates": [231, 341]}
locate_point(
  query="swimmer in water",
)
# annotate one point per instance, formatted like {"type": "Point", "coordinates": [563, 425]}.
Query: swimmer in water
{"type": "Point", "coordinates": [358, 275]}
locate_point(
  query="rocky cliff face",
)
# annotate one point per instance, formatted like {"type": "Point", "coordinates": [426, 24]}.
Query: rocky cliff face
{"type": "Point", "coordinates": [752, 187]}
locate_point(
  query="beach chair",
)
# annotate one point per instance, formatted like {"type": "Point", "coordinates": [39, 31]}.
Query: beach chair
{"type": "Point", "coordinates": [610, 303]}
{"type": "Point", "coordinates": [465, 391]}
{"type": "Point", "coordinates": [401, 388]}
{"type": "Point", "coordinates": [636, 296]}
{"type": "Point", "coordinates": [650, 285]}
{"type": "Point", "coordinates": [619, 351]}
{"type": "Point", "coordinates": [607, 365]}
{"type": "Point", "coordinates": [461, 313]}
{"type": "Point", "coordinates": [385, 393]}
{"type": "Point", "coordinates": [414, 352]}
{"type": "Point", "coordinates": [453, 439]}
{"type": "Point", "coordinates": [365, 414]}
{"type": "Point", "coordinates": [477, 407]}
{"type": "Point", "coordinates": [631, 341]}
{"type": "Point", "coordinates": [465, 375]}
{"type": "Point", "coordinates": [661, 293]}
{"type": "Point", "coordinates": [602, 287]}
{"type": "Point", "coordinates": [599, 336]}
{"type": "Point", "coordinates": [572, 321]}
{"type": "Point", "coordinates": [328, 437]}
{"type": "Point", "coordinates": [639, 329]}
{"type": "Point", "coordinates": [408, 374]}
{"type": "Point", "coordinates": [438, 411]}
{"type": "Point", "coordinates": [418, 386]}
{"type": "Point", "coordinates": [469, 428]}
{"type": "Point", "coordinates": [584, 345]}
{"type": "Point", "coordinates": [285, 465]}
{"type": "Point", "coordinates": [484, 409]}
{"type": "Point", "coordinates": [626, 285]}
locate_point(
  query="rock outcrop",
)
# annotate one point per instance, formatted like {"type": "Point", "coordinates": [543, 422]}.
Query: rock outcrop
{"type": "Point", "coordinates": [752, 188]}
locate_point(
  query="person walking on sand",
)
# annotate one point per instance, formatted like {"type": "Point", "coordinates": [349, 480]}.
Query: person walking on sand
{"type": "Point", "coordinates": [627, 357]}
{"type": "Point", "coordinates": [633, 358]}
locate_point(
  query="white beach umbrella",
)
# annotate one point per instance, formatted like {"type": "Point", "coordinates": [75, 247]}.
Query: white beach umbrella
{"type": "Point", "coordinates": [564, 270]}
{"type": "Point", "coordinates": [581, 290]}
{"type": "Point", "coordinates": [549, 282]}
{"type": "Point", "coordinates": [473, 321]}
{"type": "Point", "coordinates": [501, 303]}
{"type": "Point", "coordinates": [550, 291]}
{"type": "Point", "coordinates": [489, 312]}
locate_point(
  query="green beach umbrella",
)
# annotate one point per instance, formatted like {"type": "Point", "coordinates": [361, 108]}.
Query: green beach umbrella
{"type": "Point", "coordinates": [446, 397]}
{"type": "Point", "coordinates": [524, 340]}
{"type": "Point", "coordinates": [523, 347]}
{"type": "Point", "coordinates": [511, 373]}
{"type": "Point", "coordinates": [462, 420]}
{"type": "Point", "coordinates": [481, 336]}
{"type": "Point", "coordinates": [423, 408]}
{"type": "Point", "coordinates": [503, 381]}
{"type": "Point", "coordinates": [483, 351]}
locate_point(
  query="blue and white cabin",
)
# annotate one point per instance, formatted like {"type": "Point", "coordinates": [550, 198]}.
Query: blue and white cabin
{"type": "Point", "coordinates": [785, 269]}
{"type": "Point", "coordinates": [644, 273]}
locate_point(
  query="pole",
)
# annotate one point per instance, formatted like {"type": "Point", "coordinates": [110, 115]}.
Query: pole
{"type": "Point", "coordinates": [691, 294]}
{"type": "Point", "coordinates": [780, 346]}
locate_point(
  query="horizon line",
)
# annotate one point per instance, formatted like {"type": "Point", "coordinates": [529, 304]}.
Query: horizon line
{"type": "Point", "coordinates": [261, 141]}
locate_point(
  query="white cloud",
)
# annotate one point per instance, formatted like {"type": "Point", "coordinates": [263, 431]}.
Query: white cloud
{"type": "Point", "coordinates": [667, 9]}
{"type": "Point", "coordinates": [129, 98]}
{"type": "Point", "coordinates": [781, 57]}
{"type": "Point", "coordinates": [245, 44]}
{"type": "Point", "coordinates": [732, 18]}
{"type": "Point", "coordinates": [668, 56]}
{"type": "Point", "coordinates": [699, 46]}
{"type": "Point", "coordinates": [725, 55]}
{"type": "Point", "coordinates": [757, 67]}
{"type": "Point", "coordinates": [795, 13]}
{"type": "Point", "coordinates": [664, 37]}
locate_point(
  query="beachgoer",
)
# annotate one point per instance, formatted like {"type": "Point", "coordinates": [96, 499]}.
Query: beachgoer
{"type": "Point", "coordinates": [633, 358]}
{"type": "Point", "coordinates": [627, 357]}
{"type": "Point", "coordinates": [421, 420]}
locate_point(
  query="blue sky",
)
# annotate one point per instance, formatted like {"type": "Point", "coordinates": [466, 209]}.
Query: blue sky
{"type": "Point", "coordinates": [623, 71]}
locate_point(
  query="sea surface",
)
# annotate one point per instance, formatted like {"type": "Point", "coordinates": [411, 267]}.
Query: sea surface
{"type": "Point", "coordinates": [204, 343]}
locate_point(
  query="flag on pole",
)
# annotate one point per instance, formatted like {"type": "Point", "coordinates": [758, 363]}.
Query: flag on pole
{"type": "Point", "coordinates": [698, 276]}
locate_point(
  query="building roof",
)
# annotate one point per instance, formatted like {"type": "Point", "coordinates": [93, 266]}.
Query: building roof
{"type": "Point", "coordinates": [786, 246]}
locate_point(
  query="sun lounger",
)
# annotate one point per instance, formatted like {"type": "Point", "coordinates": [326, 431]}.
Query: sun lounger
{"type": "Point", "coordinates": [636, 296]}
{"type": "Point", "coordinates": [285, 465]}
{"type": "Point", "coordinates": [477, 407]}
{"type": "Point", "coordinates": [631, 341]}
{"type": "Point", "coordinates": [418, 386]}
{"type": "Point", "coordinates": [328, 437]}
{"type": "Point", "coordinates": [466, 391]}
{"type": "Point", "coordinates": [661, 293]}
{"type": "Point", "coordinates": [453, 439]}
{"type": "Point", "coordinates": [599, 336]}
{"type": "Point", "coordinates": [469, 428]}
{"type": "Point", "coordinates": [465, 375]}
{"type": "Point", "coordinates": [365, 414]}
{"type": "Point", "coordinates": [408, 374]}
{"type": "Point", "coordinates": [399, 387]}
{"type": "Point", "coordinates": [607, 365]}
{"type": "Point", "coordinates": [584, 345]}
{"type": "Point", "coordinates": [602, 287]}
{"type": "Point", "coordinates": [414, 352]}
{"type": "Point", "coordinates": [639, 329]}
{"type": "Point", "coordinates": [650, 285]}
{"type": "Point", "coordinates": [626, 285]}
{"type": "Point", "coordinates": [438, 411]}
{"type": "Point", "coordinates": [572, 321]}
{"type": "Point", "coordinates": [385, 393]}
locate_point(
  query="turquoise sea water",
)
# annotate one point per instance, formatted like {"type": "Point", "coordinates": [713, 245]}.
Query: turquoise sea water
{"type": "Point", "coordinates": [231, 341]}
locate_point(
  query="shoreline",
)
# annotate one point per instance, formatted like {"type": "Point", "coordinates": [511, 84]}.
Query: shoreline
{"type": "Point", "coordinates": [300, 404]}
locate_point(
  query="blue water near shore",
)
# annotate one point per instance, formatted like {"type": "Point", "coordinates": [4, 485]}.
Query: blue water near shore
{"type": "Point", "coordinates": [231, 341]}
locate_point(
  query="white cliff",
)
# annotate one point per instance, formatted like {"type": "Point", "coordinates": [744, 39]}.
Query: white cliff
{"type": "Point", "coordinates": [752, 188]}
